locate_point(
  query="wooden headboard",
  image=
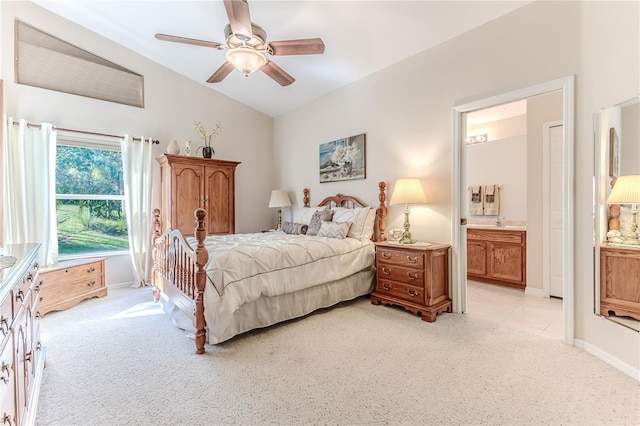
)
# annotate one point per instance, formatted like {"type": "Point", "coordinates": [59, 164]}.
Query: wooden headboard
{"type": "Point", "coordinates": [350, 202]}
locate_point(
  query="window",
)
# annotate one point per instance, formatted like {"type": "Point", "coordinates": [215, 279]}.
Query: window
{"type": "Point", "coordinates": [43, 60]}
{"type": "Point", "coordinates": [90, 199]}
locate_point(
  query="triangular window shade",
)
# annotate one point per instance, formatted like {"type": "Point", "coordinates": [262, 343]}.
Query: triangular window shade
{"type": "Point", "coordinates": [50, 63]}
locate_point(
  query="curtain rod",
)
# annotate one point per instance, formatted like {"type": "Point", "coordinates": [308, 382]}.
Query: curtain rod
{"type": "Point", "coordinates": [84, 132]}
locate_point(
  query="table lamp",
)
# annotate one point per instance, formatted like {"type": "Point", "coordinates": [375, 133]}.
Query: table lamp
{"type": "Point", "coordinates": [627, 191]}
{"type": "Point", "coordinates": [407, 191]}
{"type": "Point", "coordinates": [279, 199]}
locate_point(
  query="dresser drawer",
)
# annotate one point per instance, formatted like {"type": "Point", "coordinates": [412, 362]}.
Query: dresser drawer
{"type": "Point", "coordinates": [414, 277]}
{"type": "Point", "coordinates": [6, 315]}
{"type": "Point", "coordinates": [6, 371]}
{"type": "Point", "coordinates": [21, 291]}
{"type": "Point", "coordinates": [62, 276]}
{"type": "Point", "coordinates": [400, 257]}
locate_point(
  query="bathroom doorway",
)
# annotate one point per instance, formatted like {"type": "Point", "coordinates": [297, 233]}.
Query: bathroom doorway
{"type": "Point", "coordinates": [459, 287]}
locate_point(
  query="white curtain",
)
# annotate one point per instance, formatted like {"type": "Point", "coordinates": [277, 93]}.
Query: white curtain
{"type": "Point", "coordinates": [137, 169]}
{"type": "Point", "coordinates": [29, 194]}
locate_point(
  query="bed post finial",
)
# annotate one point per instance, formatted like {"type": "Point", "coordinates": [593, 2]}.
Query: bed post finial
{"type": "Point", "coordinates": [382, 211]}
{"type": "Point", "coordinates": [202, 257]}
{"type": "Point", "coordinates": [155, 239]}
{"type": "Point", "coordinates": [305, 198]}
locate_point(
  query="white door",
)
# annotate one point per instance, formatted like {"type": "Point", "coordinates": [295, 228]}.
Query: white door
{"type": "Point", "coordinates": [553, 197]}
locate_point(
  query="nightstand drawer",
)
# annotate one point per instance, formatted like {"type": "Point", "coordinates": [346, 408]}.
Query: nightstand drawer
{"type": "Point", "coordinates": [414, 277]}
{"type": "Point", "coordinates": [400, 291]}
{"type": "Point", "coordinates": [401, 257]}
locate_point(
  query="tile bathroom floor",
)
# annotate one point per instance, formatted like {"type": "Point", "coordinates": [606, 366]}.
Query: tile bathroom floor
{"type": "Point", "coordinates": [513, 308]}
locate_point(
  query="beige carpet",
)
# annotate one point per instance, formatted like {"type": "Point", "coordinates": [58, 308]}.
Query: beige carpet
{"type": "Point", "coordinates": [120, 361]}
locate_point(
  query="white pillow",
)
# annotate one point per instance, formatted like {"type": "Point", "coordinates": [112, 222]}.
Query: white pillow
{"type": "Point", "coordinates": [360, 226]}
{"type": "Point", "coordinates": [334, 229]}
{"type": "Point", "coordinates": [369, 224]}
{"type": "Point", "coordinates": [304, 214]}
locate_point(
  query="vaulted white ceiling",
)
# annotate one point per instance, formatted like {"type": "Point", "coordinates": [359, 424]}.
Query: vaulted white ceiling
{"type": "Point", "coordinates": [361, 37]}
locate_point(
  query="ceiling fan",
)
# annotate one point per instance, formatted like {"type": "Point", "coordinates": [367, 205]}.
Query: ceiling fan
{"type": "Point", "coordinates": [246, 43]}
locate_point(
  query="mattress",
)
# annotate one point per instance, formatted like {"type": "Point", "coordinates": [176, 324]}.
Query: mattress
{"type": "Point", "coordinates": [245, 267]}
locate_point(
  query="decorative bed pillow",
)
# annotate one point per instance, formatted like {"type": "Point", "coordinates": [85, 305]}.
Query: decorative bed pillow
{"type": "Point", "coordinates": [304, 214]}
{"type": "Point", "coordinates": [294, 228]}
{"type": "Point", "coordinates": [362, 220]}
{"type": "Point", "coordinates": [334, 229]}
{"type": "Point", "coordinates": [318, 217]}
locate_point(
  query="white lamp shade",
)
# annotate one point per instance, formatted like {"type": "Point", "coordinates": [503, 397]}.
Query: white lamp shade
{"type": "Point", "coordinates": [408, 191]}
{"type": "Point", "coordinates": [246, 60]}
{"type": "Point", "coordinates": [626, 190]}
{"type": "Point", "coordinates": [279, 198]}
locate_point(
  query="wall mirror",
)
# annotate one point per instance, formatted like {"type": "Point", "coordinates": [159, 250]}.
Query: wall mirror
{"type": "Point", "coordinates": [617, 258]}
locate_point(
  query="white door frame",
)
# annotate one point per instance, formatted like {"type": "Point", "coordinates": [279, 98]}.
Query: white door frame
{"type": "Point", "coordinates": [546, 217]}
{"type": "Point", "coordinates": [458, 237]}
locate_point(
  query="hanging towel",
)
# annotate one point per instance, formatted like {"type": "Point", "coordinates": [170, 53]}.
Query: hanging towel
{"type": "Point", "coordinates": [491, 200]}
{"type": "Point", "coordinates": [475, 200]}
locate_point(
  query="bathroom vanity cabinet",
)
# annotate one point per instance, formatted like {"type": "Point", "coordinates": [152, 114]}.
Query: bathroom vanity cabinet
{"type": "Point", "coordinates": [497, 256]}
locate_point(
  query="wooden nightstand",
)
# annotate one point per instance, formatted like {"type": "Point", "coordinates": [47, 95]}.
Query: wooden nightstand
{"type": "Point", "coordinates": [415, 277]}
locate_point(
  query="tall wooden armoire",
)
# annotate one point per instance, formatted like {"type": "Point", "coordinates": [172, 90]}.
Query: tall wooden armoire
{"type": "Point", "coordinates": [191, 182]}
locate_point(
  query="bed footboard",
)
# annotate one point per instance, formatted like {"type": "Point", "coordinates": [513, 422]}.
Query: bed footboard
{"type": "Point", "coordinates": [178, 271]}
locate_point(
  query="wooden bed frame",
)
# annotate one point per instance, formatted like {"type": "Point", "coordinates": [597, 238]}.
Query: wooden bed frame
{"type": "Point", "coordinates": [179, 269]}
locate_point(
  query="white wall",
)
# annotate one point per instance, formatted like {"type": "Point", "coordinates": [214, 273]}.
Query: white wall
{"type": "Point", "coordinates": [406, 112]}
{"type": "Point", "coordinates": [503, 161]}
{"type": "Point", "coordinates": [172, 104]}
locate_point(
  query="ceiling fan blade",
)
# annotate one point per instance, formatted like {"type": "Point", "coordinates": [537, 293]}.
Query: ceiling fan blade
{"type": "Point", "coordinates": [239, 18]}
{"type": "Point", "coordinates": [185, 40]}
{"type": "Point", "coordinates": [277, 73]}
{"type": "Point", "coordinates": [221, 73]}
{"type": "Point", "coordinates": [307, 46]}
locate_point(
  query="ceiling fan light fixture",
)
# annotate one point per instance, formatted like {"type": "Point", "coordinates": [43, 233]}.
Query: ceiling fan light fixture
{"type": "Point", "coordinates": [246, 60]}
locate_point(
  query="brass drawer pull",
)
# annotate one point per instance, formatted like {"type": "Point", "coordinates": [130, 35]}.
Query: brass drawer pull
{"type": "Point", "coordinates": [412, 293]}
{"type": "Point", "coordinates": [386, 271]}
{"type": "Point", "coordinates": [413, 259]}
{"type": "Point", "coordinates": [4, 325]}
{"type": "Point", "coordinates": [30, 277]}
{"type": "Point", "coordinates": [91, 283]}
{"type": "Point", "coordinates": [6, 419]}
{"type": "Point", "coordinates": [385, 255]}
{"type": "Point", "coordinates": [387, 286]}
{"type": "Point", "coordinates": [412, 276]}
{"type": "Point", "coordinates": [92, 269]}
{"type": "Point", "coordinates": [20, 295]}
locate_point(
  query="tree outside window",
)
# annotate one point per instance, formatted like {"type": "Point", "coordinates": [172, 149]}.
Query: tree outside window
{"type": "Point", "coordinates": [90, 200]}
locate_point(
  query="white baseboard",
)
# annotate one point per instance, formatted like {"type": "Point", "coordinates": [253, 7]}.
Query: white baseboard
{"type": "Point", "coordinates": [537, 292]}
{"type": "Point", "coordinates": [121, 285]}
{"type": "Point", "coordinates": [609, 359]}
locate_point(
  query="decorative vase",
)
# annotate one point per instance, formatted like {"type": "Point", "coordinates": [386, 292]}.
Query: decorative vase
{"type": "Point", "coordinates": [187, 148]}
{"type": "Point", "coordinates": [173, 148]}
{"type": "Point", "coordinates": [207, 151]}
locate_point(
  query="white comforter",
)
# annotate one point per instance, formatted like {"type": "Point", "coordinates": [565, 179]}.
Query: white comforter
{"type": "Point", "coordinates": [243, 267]}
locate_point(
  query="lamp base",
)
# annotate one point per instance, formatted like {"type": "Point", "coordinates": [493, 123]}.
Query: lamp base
{"type": "Point", "coordinates": [279, 227]}
{"type": "Point", "coordinates": [406, 235]}
{"type": "Point", "coordinates": [632, 238]}
{"type": "Point", "coordinates": [407, 238]}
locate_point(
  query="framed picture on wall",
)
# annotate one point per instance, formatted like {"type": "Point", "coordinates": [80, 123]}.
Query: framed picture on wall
{"type": "Point", "coordinates": [614, 153]}
{"type": "Point", "coordinates": [343, 159]}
